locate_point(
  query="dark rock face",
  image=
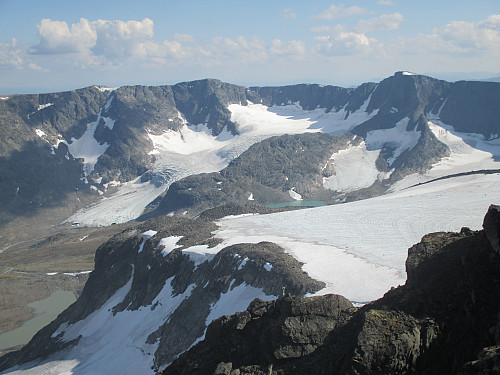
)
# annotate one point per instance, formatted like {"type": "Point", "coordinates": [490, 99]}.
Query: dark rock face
{"type": "Point", "coordinates": [265, 333]}
{"type": "Point", "coordinates": [445, 319]}
{"type": "Point", "coordinates": [35, 174]}
{"type": "Point", "coordinates": [491, 227]}
{"type": "Point", "coordinates": [462, 101]}
{"type": "Point", "coordinates": [310, 97]}
{"type": "Point", "coordinates": [488, 362]}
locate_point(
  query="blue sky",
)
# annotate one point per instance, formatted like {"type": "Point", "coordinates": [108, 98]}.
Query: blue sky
{"type": "Point", "coordinates": [54, 45]}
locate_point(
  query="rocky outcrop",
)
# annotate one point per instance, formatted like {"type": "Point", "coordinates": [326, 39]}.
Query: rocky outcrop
{"type": "Point", "coordinates": [491, 227]}
{"type": "Point", "coordinates": [267, 332]}
{"type": "Point", "coordinates": [445, 319]}
{"type": "Point", "coordinates": [312, 96]}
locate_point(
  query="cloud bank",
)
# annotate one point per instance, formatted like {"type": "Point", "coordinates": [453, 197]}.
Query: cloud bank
{"type": "Point", "coordinates": [107, 44]}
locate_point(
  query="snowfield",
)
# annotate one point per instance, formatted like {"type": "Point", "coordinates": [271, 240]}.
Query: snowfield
{"type": "Point", "coordinates": [359, 249]}
{"type": "Point", "coordinates": [355, 168]}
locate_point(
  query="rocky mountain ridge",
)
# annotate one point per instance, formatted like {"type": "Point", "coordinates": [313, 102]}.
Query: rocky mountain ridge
{"type": "Point", "coordinates": [43, 132]}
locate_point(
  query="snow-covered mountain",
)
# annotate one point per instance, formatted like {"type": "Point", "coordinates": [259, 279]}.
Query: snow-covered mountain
{"type": "Point", "coordinates": [425, 151]}
{"type": "Point", "coordinates": [123, 147]}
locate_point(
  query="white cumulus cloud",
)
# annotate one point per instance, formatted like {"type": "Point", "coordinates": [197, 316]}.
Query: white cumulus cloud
{"type": "Point", "coordinates": [296, 49]}
{"type": "Point", "coordinates": [103, 40]}
{"type": "Point", "coordinates": [222, 50]}
{"type": "Point", "coordinates": [459, 38]}
{"type": "Point", "coordinates": [118, 39]}
{"type": "Point", "coordinates": [14, 56]}
{"type": "Point", "coordinates": [346, 43]}
{"type": "Point", "coordinates": [57, 37]}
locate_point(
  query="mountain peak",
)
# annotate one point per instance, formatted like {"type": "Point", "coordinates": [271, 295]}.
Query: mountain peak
{"type": "Point", "coordinates": [405, 73]}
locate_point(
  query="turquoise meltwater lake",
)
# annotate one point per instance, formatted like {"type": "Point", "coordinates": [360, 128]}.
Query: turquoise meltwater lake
{"type": "Point", "coordinates": [44, 312]}
{"type": "Point", "coordinates": [298, 204]}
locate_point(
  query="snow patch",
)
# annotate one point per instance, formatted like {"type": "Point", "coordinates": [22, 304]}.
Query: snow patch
{"type": "Point", "coordinates": [169, 244]}
{"type": "Point", "coordinates": [251, 198]}
{"type": "Point", "coordinates": [243, 263]}
{"type": "Point", "coordinates": [294, 194]}
{"type": "Point", "coordinates": [268, 266]}
{"type": "Point", "coordinates": [77, 273]}
{"type": "Point", "coordinates": [202, 253]}
{"type": "Point", "coordinates": [40, 133]}
{"type": "Point", "coordinates": [126, 332]}
{"type": "Point", "coordinates": [146, 236]}
{"type": "Point", "coordinates": [354, 168]}
{"type": "Point", "coordinates": [109, 101]}
{"type": "Point", "coordinates": [100, 192]}
{"type": "Point", "coordinates": [109, 122]}
{"type": "Point", "coordinates": [42, 106]}
{"type": "Point", "coordinates": [87, 148]}
{"type": "Point", "coordinates": [236, 300]}
{"type": "Point", "coordinates": [468, 152]}
{"type": "Point", "coordinates": [105, 88]}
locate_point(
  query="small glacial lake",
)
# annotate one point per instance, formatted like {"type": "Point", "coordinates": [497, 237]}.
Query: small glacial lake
{"type": "Point", "coordinates": [44, 312]}
{"type": "Point", "coordinates": [298, 204]}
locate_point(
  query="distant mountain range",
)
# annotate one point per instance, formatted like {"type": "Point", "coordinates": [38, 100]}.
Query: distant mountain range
{"type": "Point", "coordinates": [74, 146]}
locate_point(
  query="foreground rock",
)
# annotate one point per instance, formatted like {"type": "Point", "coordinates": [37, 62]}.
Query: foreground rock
{"type": "Point", "coordinates": [445, 319]}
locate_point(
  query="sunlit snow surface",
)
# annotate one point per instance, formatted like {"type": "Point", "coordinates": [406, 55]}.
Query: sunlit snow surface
{"type": "Point", "coordinates": [355, 168]}
{"type": "Point", "coordinates": [193, 150]}
{"type": "Point", "coordinates": [116, 343]}
{"type": "Point", "coordinates": [468, 152]}
{"type": "Point", "coordinates": [359, 249]}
